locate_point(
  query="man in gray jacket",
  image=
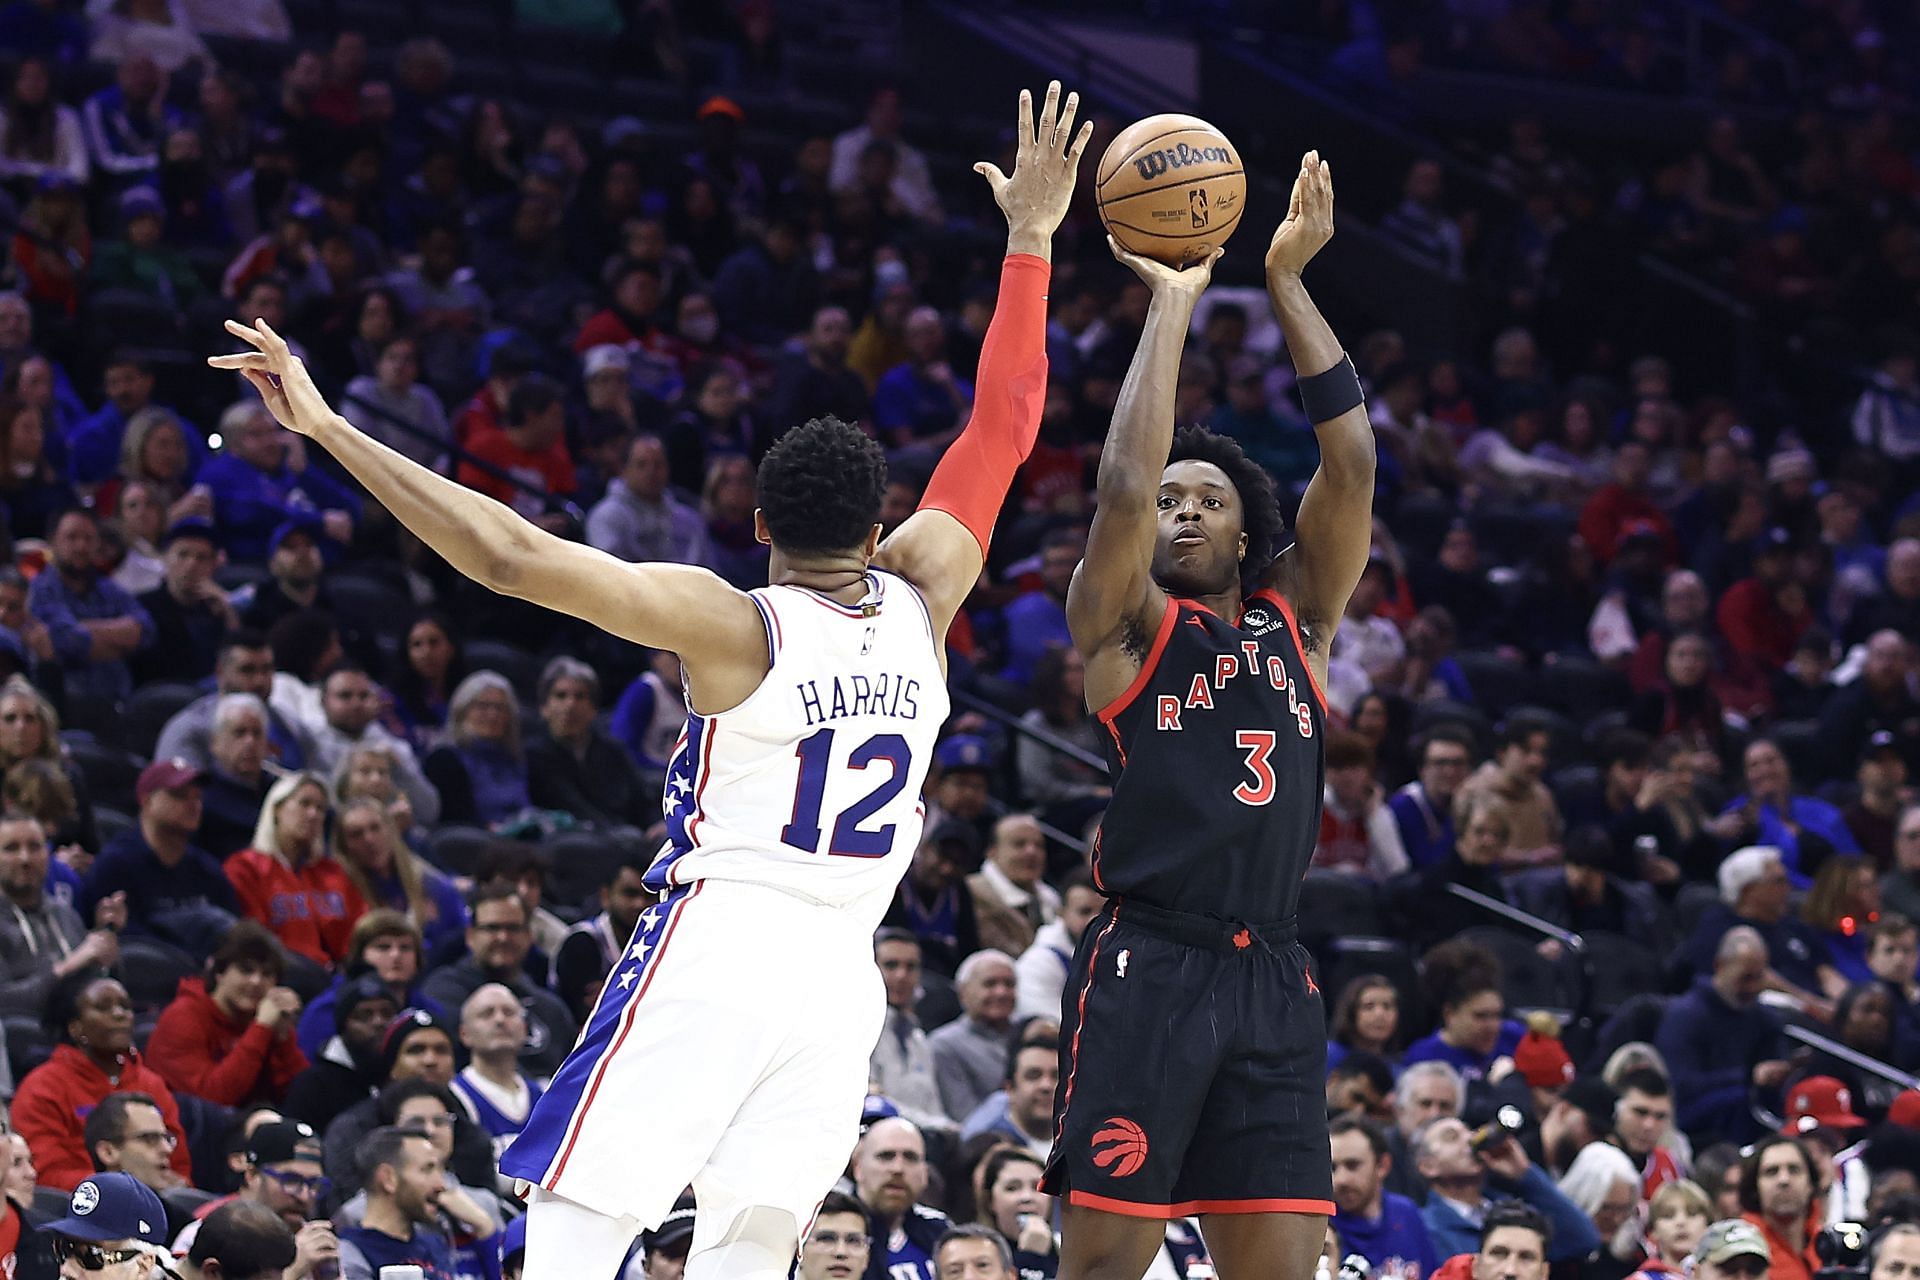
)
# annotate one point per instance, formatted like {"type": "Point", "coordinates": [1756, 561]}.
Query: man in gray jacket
{"type": "Point", "coordinates": [639, 520]}
{"type": "Point", "coordinates": [41, 939]}
{"type": "Point", "coordinates": [244, 664]}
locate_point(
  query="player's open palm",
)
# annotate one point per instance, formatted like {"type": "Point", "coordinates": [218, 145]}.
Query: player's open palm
{"type": "Point", "coordinates": [1309, 221]}
{"type": "Point", "coordinates": [1046, 157]}
{"type": "Point", "coordinates": [1186, 283]}
{"type": "Point", "coordinates": [279, 376]}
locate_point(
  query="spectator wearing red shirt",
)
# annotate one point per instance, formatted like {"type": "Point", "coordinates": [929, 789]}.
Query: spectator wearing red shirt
{"type": "Point", "coordinates": [93, 1016]}
{"type": "Point", "coordinates": [1622, 502]}
{"type": "Point", "coordinates": [229, 1037]}
{"type": "Point", "coordinates": [531, 448]}
{"type": "Point", "coordinates": [288, 882]}
{"type": "Point", "coordinates": [487, 410]}
{"type": "Point", "coordinates": [1764, 615]}
{"type": "Point", "coordinates": [628, 320]}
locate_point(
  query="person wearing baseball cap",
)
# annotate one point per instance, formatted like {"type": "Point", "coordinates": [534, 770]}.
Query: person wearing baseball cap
{"type": "Point", "coordinates": [664, 1248]}
{"type": "Point", "coordinates": [175, 890]}
{"type": "Point", "coordinates": [1732, 1249]}
{"type": "Point", "coordinates": [1819, 1102]}
{"type": "Point", "coordinates": [115, 1229]}
{"type": "Point", "coordinates": [283, 1175]}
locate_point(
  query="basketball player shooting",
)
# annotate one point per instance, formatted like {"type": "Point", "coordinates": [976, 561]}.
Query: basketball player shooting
{"type": "Point", "coordinates": [728, 1049]}
{"type": "Point", "coordinates": [1194, 1040]}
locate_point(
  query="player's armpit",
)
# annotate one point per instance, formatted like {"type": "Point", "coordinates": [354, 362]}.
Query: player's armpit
{"type": "Point", "coordinates": [939, 556]}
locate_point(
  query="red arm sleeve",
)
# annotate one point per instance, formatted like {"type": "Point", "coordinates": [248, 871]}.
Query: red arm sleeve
{"type": "Point", "coordinates": [1010, 390]}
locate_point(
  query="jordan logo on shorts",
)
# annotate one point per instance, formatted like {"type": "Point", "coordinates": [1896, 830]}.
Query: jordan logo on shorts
{"type": "Point", "coordinates": [1122, 1145]}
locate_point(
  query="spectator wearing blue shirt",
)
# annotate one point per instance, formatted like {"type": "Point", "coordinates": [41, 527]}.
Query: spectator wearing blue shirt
{"type": "Point", "coordinates": [890, 1175]}
{"type": "Point", "coordinates": [405, 1179]}
{"type": "Point", "coordinates": [1037, 621]}
{"type": "Point", "coordinates": [1423, 809]}
{"type": "Point", "coordinates": [1720, 1044]}
{"type": "Point", "coordinates": [174, 891]}
{"type": "Point", "coordinates": [1467, 1184]}
{"type": "Point", "coordinates": [95, 445]}
{"type": "Point", "coordinates": [922, 402]}
{"type": "Point", "coordinates": [127, 121]}
{"type": "Point", "coordinates": [261, 480]}
{"type": "Point", "coordinates": [1463, 980]}
{"type": "Point", "coordinates": [1803, 828]}
{"type": "Point", "coordinates": [95, 623]}
{"type": "Point", "coordinates": [1385, 1229]}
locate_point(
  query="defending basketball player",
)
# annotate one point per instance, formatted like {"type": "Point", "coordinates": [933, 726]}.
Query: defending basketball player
{"type": "Point", "coordinates": [1193, 1037]}
{"type": "Point", "coordinates": [729, 1047]}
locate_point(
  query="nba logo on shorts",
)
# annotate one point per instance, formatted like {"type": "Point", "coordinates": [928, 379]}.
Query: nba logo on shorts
{"type": "Point", "coordinates": [1120, 1148]}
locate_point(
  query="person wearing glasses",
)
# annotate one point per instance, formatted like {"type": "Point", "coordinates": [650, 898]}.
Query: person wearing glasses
{"type": "Point", "coordinates": [115, 1229]}
{"type": "Point", "coordinates": [127, 1134]}
{"type": "Point", "coordinates": [469, 1217]}
{"type": "Point", "coordinates": [837, 1247]}
{"type": "Point", "coordinates": [283, 1176]}
{"type": "Point", "coordinates": [497, 942]}
{"type": "Point", "coordinates": [93, 1017]}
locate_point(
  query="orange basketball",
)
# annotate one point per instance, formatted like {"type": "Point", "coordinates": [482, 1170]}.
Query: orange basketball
{"type": "Point", "coordinates": [1171, 188]}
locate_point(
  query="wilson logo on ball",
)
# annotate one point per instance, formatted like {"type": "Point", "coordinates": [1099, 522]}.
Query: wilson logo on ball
{"type": "Point", "coordinates": [1120, 1148]}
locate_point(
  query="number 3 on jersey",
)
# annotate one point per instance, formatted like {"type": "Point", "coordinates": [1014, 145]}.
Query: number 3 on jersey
{"type": "Point", "coordinates": [850, 839]}
{"type": "Point", "coordinates": [1258, 744]}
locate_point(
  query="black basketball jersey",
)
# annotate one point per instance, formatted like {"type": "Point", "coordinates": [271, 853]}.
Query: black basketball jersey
{"type": "Point", "coordinates": [1217, 749]}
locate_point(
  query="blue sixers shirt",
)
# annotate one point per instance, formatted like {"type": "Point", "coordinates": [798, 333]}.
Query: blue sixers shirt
{"type": "Point", "coordinates": [363, 1251]}
{"type": "Point", "coordinates": [1396, 1242]}
{"type": "Point", "coordinates": [1470, 1065]}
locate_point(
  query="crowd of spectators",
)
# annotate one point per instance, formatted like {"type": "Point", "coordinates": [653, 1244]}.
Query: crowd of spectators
{"type": "Point", "coordinates": [315, 856]}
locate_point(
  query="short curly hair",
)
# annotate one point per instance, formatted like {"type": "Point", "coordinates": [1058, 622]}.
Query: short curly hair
{"type": "Point", "coordinates": [1261, 520]}
{"type": "Point", "coordinates": [821, 486]}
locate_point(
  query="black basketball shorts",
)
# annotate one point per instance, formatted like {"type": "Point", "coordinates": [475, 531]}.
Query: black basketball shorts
{"type": "Point", "coordinates": [1193, 1060]}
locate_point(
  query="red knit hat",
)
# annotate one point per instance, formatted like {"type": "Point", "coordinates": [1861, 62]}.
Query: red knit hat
{"type": "Point", "coordinates": [1540, 1058]}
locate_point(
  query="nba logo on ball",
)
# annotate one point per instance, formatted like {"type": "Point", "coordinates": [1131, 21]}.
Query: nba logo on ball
{"type": "Point", "coordinates": [1171, 188]}
{"type": "Point", "coordinates": [1120, 1148]}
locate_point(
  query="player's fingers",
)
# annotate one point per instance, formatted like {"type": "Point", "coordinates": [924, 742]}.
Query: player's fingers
{"type": "Point", "coordinates": [240, 360]}
{"type": "Point", "coordinates": [1064, 129]}
{"type": "Point", "coordinates": [1113, 246]}
{"type": "Point", "coordinates": [1079, 147]}
{"type": "Point", "coordinates": [239, 330]}
{"type": "Point", "coordinates": [1024, 138]}
{"type": "Point", "coordinates": [276, 345]}
{"type": "Point", "coordinates": [1049, 113]}
{"type": "Point", "coordinates": [991, 172]}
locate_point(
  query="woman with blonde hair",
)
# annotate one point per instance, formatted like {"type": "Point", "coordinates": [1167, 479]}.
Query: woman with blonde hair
{"type": "Point", "coordinates": [481, 773]}
{"type": "Point", "coordinates": [30, 730]}
{"type": "Point", "coordinates": [287, 881]}
{"type": "Point", "coordinates": [386, 873]}
{"type": "Point", "coordinates": [156, 451]}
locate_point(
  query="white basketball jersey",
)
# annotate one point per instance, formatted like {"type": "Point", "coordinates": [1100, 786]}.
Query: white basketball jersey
{"type": "Point", "coordinates": [812, 784]}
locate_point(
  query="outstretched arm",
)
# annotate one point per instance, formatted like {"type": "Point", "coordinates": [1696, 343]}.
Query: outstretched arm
{"type": "Point", "coordinates": [1113, 586]}
{"type": "Point", "coordinates": [662, 606]}
{"type": "Point", "coordinates": [1333, 533]}
{"type": "Point", "coordinates": [942, 546]}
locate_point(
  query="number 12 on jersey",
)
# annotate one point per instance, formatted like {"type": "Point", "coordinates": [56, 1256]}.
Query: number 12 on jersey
{"type": "Point", "coordinates": [850, 839]}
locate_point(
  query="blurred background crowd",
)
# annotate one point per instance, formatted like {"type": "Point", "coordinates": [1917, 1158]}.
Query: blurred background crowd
{"type": "Point", "coordinates": [1620, 863]}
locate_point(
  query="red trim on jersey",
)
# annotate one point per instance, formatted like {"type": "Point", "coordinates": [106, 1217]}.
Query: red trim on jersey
{"type": "Point", "coordinates": [626, 1025]}
{"type": "Point", "coordinates": [1080, 1024]}
{"type": "Point", "coordinates": [1119, 704]}
{"type": "Point", "coordinates": [1293, 627]}
{"type": "Point", "coordinates": [1187, 1208]}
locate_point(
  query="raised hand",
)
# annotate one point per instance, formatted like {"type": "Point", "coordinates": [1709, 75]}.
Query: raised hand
{"type": "Point", "coordinates": [1184, 283]}
{"type": "Point", "coordinates": [1309, 221]}
{"type": "Point", "coordinates": [279, 376]}
{"type": "Point", "coordinates": [1046, 158]}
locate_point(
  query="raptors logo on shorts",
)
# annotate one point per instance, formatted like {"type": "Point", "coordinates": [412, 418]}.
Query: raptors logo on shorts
{"type": "Point", "coordinates": [1120, 1147]}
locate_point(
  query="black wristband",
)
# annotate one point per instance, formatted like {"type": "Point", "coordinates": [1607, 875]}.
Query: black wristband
{"type": "Point", "coordinates": [1325, 396]}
